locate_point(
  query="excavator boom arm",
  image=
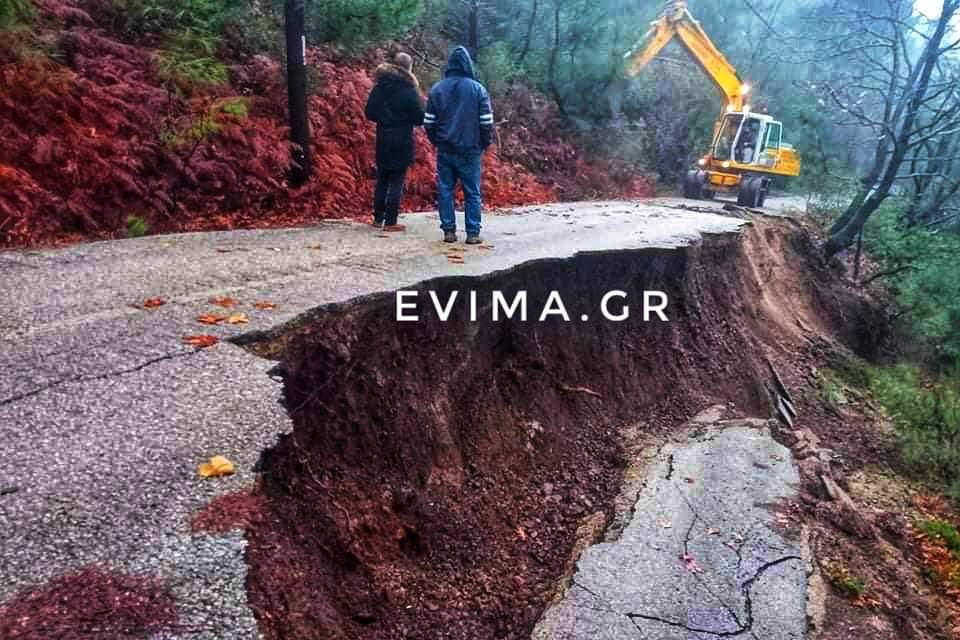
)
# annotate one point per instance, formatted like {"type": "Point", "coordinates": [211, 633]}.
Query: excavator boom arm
{"type": "Point", "coordinates": [678, 23]}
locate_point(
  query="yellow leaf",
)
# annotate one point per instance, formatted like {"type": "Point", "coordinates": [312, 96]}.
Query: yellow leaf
{"type": "Point", "coordinates": [238, 318]}
{"type": "Point", "coordinates": [216, 467]}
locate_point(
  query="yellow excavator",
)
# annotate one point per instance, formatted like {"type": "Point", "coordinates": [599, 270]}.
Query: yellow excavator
{"type": "Point", "coordinates": [748, 147]}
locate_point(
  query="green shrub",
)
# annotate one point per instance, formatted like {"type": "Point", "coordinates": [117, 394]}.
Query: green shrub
{"type": "Point", "coordinates": [943, 531]}
{"type": "Point", "coordinates": [188, 61]}
{"type": "Point", "coordinates": [237, 107]}
{"type": "Point", "coordinates": [851, 585]}
{"type": "Point", "coordinates": [205, 123]}
{"type": "Point", "coordinates": [926, 416]}
{"type": "Point", "coordinates": [161, 16]}
{"type": "Point", "coordinates": [15, 12]}
{"type": "Point", "coordinates": [852, 373]}
{"type": "Point", "coordinates": [498, 68]}
{"type": "Point", "coordinates": [137, 227]}
{"type": "Point", "coordinates": [924, 276]}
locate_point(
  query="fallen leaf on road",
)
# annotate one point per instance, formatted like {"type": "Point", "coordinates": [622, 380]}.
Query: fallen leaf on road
{"type": "Point", "coordinates": [228, 303]}
{"type": "Point", "coordinates": [521, 533]}
{"type": "Point", "coordinates": [315, 247]}
{"type": "Point", "coordinates": [713, 532]}
{"type": "Point", "coordinates": [688, 480]}
{"type": "Point", "coordinates": [691, 563]}
{"type": "Point", "coordinates": [210, 318]}
{"type": "Point", "coordinates": [238, 318]}
{"type": "Point", "coordinates": [201, 342]}
{"type": "Point", "coordinates": [216, 467]}
{"type": "Point", "coordinates": [153, 303]}
{"type": "Point", "coordinates": [264, 305]}
{"type": "Point", "coordinates": [665, 524]}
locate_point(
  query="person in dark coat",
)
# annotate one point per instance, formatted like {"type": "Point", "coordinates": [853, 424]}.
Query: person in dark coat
{"type": "Point", "coordinates": [459, 122]}
{"type": "Point", "coordinates": [396, 106]}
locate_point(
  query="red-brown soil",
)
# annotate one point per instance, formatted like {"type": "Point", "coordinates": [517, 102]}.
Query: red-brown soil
{"type": "Point", "coordinates": [438, 472]}
{"type": "Point", "coordinates": [89, 604]}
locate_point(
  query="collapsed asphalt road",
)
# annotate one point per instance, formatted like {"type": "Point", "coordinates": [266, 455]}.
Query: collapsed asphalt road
{"type": "Point", "coordinates": [700, 557]}
{"type": "Point", "coordinates": [105, 414]}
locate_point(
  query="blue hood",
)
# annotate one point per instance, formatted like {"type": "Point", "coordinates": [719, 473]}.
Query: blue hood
{"type": "Point", "coordinates": [460, 64]}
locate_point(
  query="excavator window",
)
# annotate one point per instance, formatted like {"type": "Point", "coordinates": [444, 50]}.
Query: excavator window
{"type": "Point", "coordinates": [774, 133]}
{"type": "Point", "coordinates": [723, 150]}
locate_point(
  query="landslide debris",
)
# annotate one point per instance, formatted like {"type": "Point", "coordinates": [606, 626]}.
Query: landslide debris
{"type": "Point", "coordinates": [438, 472]}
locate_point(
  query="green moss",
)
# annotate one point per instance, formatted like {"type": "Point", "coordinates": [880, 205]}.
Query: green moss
{"type": "Point", "coordinates": [137, 227]}
{"type": "Point", "coordinates": [844, 581]}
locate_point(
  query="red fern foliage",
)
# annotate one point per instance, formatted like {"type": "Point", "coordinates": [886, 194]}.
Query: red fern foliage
{"type": "Point", "coordinates": [98, 138]}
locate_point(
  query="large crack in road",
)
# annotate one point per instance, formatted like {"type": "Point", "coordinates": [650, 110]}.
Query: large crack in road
{"type": "Point", "coordinates": [701, 556]}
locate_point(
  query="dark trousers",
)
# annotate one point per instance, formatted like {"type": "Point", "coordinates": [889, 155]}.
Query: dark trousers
{"type": "Point", "coordinates": [386, 196]}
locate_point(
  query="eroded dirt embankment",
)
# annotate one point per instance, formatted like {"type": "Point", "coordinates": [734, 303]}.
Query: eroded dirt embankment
{"type": "Point", "coordinates": [439, 471]}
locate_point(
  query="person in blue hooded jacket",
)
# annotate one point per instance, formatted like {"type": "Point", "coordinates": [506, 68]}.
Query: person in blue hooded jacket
{"type": "Point", "coordinates": [459, 123]}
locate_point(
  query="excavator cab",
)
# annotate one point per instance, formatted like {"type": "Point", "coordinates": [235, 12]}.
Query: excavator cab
{"type": "Point", "coordinates": [747, 138]}
{"type": "Point", "coordinates": [748, 147]}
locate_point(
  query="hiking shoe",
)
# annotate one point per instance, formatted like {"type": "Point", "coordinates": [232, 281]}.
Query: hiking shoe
{"type": "Point", "coordinates": [473, 239]}
{"type": "Point", "coordinates": [395, 228]}
{"type": "Point", "coordinates": [449, 236]}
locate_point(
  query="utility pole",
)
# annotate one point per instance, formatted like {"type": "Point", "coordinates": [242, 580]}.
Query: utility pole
{"type": "Point", "coordinates": [294, 19]}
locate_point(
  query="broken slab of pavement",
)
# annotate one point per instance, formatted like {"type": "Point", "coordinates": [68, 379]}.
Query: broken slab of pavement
{"type": "Point", "coordinates": [700, 557]}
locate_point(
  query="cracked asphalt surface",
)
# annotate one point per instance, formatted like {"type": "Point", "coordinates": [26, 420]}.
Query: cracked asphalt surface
{"type": "Point", "coordinates": [105, 414]}
{"type": "Point", "coordinates": [700, 558]}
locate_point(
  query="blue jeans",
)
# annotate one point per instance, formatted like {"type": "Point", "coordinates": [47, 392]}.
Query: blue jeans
{"type": "Point", "coordinates": [466, 168]}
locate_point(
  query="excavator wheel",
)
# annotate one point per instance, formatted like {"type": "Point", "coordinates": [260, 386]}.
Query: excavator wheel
{"type": "Point", "coordinates": [751, 192]}
{"type": "Point", "coordinates": [693, 185]}
{"type": "Point", "coordinates": [691, 188]}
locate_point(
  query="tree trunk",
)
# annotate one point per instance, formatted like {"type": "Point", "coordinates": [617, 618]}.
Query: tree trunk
{"type": "Point", "coordinates": [473, 37]}
{"type": "Point", "coordinates": [529, 36]}
{"type": "Point", "coordinates": [552, 63]}
{"type": "Point", "coordinates": [296, 42]}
